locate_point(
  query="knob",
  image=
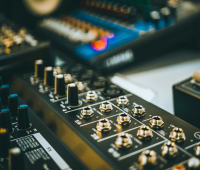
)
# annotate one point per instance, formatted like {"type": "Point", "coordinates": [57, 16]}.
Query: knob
{"type": "Point", "coordinates": [4, 92]}
{"type": "Point", "coordinates": [123, 119]}
{"type": "Point", "coordinates": [178, 167]}
{"type": "Point", "coordinates": [193, 163]}
{"type": "Point", "coordinates": [5, 120]}
{"type": "Point", "coordinates": [169, 150]}
{"type": "Point", "coordinates": [148, 159]}
{"type": "Point", "coordinates": [122, 101]}
{"type": "Point", "coordinates": [197, 150]}
{"type": "Point", "coordinates": [156, 122]}
{"type": "Point", "coordinates": [177, 135]}
{"type": "Point", "coordinates": [57, 71]}
{"type": "Point", "coordinates": [23, 117]}
{"type": "Point", "coordinates": [87, 112]}
{"type": "Point", "coordinates": [39, 69]}
{"type": "Point", "coordinates": [138, 111]}
{"type": "Point", "coordinates": [1, 81]}
{"type": "Point", "coordinates": [72, 95]}
{"type": "Point", "coordinates": [16, 160]}
{"type": "Point", "coordinates": [4, 142]}
{"type": "Point", "coordinates": [91, 96]}
{"type": "Point", "coordinates": [144, 132]}
{"type": "Point", "coordinates": [48, 77]}
{"type": "Point", "coordinates": [68, 78]}
{"type": "Point", "coordinates": [103, 125]}
{"type": "Point", "coordinates": [80, 86]}
{"type": "Point", "coordinates": [60, 85]}
{"type": "Point", "coordinates": [13, 103]}
{"type": "Point", "coordinates": [106, 107]}
{"type": "Point", "coordinates": [123, 140]}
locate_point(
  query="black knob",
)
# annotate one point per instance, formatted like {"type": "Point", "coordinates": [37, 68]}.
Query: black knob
{"type": "Point", "coordinates": [60, 85]}
{"type": "Point", "coordinates": [72, 94]}
{"type": "Point", "coordinates": [5, 120]}
{"type": "Point", "coordinates": [1, 82]}
{"type": "Point", "coordinates": [23, 117]}
{"type": "Point", "coordinates": [16, 159]}
{"type": "Point", "coordinates": [4, 142]}
{"type": "Point", "coordinates": [0, 104]}
{"type": "Point", "coordinates": [13, 103]}
{"type": "Point", "coordinates": [4, 93]}
{"type": "Point", "coordinates": [39, 69]}
{"type": "Point", "coordinates": [48, 77]}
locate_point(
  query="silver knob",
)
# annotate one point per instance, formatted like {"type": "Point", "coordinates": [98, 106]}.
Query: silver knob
{"type": "Point", "coordinates": [138, 111]}
{"type": "Point", "coordinates": [106, 107]}
{"type": "Point", "coordinates": [91, 96]}
{"type": "Point", "coordinates": [169, 150]}
{"type": "Point", "coordinates": [122, 101]}
{"type": "Point", "coordinates": [193, 163]}
{"type": "Point", "coordinates": [103, 125]}
{"type": "Point", "coordinates": [123, 119]}
{"type": "Point", "coordinates": [177, 135]}
{"type": "Point", "coordinates": [156, 122]}
{"type": "Point", "coordinates": [123, 140]}
{"type": "Point", "coordinates": [197, 150]}
{"type": "Point", "coordinates": [87, 112]}
{"type": "Point", "coordinates": [148, 159]}
{"type": "Point", "coordinates": [144, 132]}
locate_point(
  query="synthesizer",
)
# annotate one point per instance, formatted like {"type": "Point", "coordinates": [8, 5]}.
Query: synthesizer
{"type": "Point", "coordinates": [25, 141]}
{"type": "Point", "coordinates": [105, 126]}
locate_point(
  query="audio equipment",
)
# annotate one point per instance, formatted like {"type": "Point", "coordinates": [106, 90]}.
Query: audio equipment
{"type": "Point", "coordinates": [186, 99]}
{"type": "Point", "coordinates": [25, 141]}
{"type": "Point", "coordinates": [18, 45]}
{"type": "Point", "coordinates": [103, 125]}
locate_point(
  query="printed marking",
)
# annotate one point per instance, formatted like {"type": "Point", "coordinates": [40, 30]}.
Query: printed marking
{"type": "Point", "coordinates": [146, 120]}
{"type": "Point", "coordinates": [143, 149]}
{"type": "Point", "coordinates": [188, 147]}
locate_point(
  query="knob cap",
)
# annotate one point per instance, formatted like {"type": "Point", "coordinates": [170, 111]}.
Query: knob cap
{"type": "Point", "coordinates": [4, 142]}
{"type": "Point", "coordinates": [16, 160]}
{"type": "Point", "coordinates": [72, 94]}
{"type": "Point", "coordinates": [23, 117]}
{"type": "Point", "coordinates": [48, 77]}
{"type": "Point", "coordinates": [60, 85]}
{"type": "Point", "coordinates": [5, 120]}
{"type": "Point", "coordinates": [13, 103]}
{"type": "Point", "coordinates": [4, 92]}
{"type": "Point", "coordinates": [39, 69]}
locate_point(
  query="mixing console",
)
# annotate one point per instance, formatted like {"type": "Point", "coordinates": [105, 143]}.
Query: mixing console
{"type": "Point", "coordinates": [105, 126]}
{"type": "Point", "coordinates": [25, 142]}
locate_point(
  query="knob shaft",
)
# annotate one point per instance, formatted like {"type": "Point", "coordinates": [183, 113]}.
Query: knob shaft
{"type": "Point", "coordinates": [16, 160]}
{"type": "Point", "coordinates": [13, 103]}
{"type": "Point", "coordinates": [72, 94]}
{"type": "Point", "coordinates": [4, 93]}
{"type": "Point", "coordinates": [23, 117]}
{"type": "Point", "coordinates": [48, 77]}
{"type": "Point", "coordinates": [4, 142]}
{"type": "Point", "coordinates": [39, 69]}
{"type": "Point", "coordinates": [60, 85]}
{"type": "Point", "coordinates": [5, 120]}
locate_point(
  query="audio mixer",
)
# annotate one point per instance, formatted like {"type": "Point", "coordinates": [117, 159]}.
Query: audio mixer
{"type": "Point", "coordinates": [103, 125]}
{"type": "Point", "coordinates": [30, 143]}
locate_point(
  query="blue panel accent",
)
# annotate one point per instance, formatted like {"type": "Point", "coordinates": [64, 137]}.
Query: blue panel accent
{"type": "Point", "coordinates": [4, 86]}
{"type": "Point", "coordinates": [13, 95]}
{"type": "Point", "coordinates": [5, 110]}
{"type": "Point", "coordinates": [23, 106]}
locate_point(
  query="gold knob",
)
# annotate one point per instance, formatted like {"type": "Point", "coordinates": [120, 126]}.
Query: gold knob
{"type": "Point", "coordinates": [122, 101]}
{"type": "Point", "coordinates": [106, 107]}
{"type": "Point", "coordinates": [144, 132]}
{"type": "Point", "coordinates": [103, 125]}
{"type": "Point", "coordinates": [148, 159]}
{"type": "Point", "coordinates": [87, 112]}
{"type": "Point", "coordinates": [123, 119]}
{"type": "Point", "coordinates": [169, 150]}
{"type": "Point", "coordinates": [177, 135]}
{"type": "Point", "coordinates": [123, 140]}
{"type": "Point", "coordinates": [138, 111]}
{"type": "Point", "coordinates": [156, 122]}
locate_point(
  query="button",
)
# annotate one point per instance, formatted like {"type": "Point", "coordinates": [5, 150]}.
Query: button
{"type": "Point", "coordinates": [16, 159]}
{"type": "Point", "coordinates": [177, 135]}
{"type": "Point", "coordinates": [123, 140]}
{"type": "Point", "coordinates": [4, 142]}
{"type": "Point", "coordinates": [123, 119]}
{"type": "Point", "coordinates": [103, 125]}
{"type": "Point", "coordinates": [4, 92]}
{"type": "Point", "coordinates": [169, 150]}
{"type": "Point", "coordinates": [23, 117]}
{"type": "Point", "coordinates": [39, 69]}
{"type": "Point", "coordinates": [144, 132]}
{"type": "Point", "coordinates": [5, 120]}
{"type": "Point", "coordinates": [48, 77]}
{"type": "Point", "coordinates": [13, 103]}
{"type": "Point", "coordinates": [60, 85]}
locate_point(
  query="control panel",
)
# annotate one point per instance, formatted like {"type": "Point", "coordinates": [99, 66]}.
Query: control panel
{"type": "Point", "coordinates": [25, 141]}
{"type": "Point", "coordinates": [105, 126]}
